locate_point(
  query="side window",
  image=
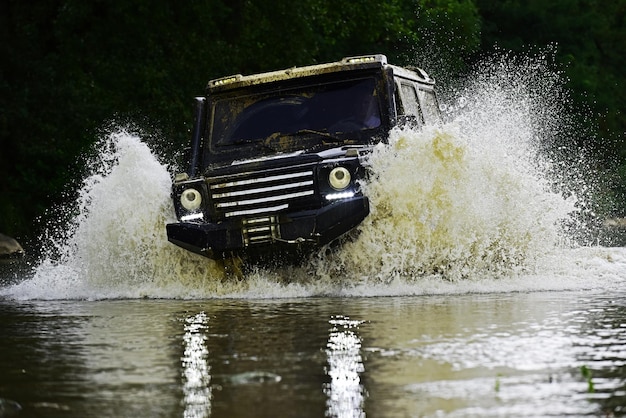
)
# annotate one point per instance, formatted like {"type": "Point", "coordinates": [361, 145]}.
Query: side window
{"type": "Point", "coordinates": [409, 100]}
{"type": "Point", "coordinates": [410, 103]}
{"type": "Point", "coordinates": [428, 101]}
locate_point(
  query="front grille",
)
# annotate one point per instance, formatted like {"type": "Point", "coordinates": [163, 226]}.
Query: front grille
{"type": "Point", "coordinates": [258, 193]}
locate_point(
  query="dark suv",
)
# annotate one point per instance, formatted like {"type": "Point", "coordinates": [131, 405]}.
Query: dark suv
{"type": "Point", "coordinates": [276, 158]}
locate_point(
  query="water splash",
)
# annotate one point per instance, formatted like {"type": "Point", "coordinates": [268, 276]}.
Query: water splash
{"type": "Point", "coordinates": [477, 204]}
{"type": "Point", "coordinates": [441, 206]}
{"type": "Point", "coordinates": [476, 196]}
{"type": "Point", "coordinates": [116, 246]}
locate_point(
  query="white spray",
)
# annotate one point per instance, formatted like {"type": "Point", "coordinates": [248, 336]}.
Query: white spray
{"type": "Point", "coordinates": [461, 207]}
{"type": "Point", "coordinates": [471, 197]}
{"type": "Point", "coordinates": [116, 244]}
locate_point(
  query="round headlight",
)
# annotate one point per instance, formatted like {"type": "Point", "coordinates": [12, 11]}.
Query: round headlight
{"type": "Point", "coordinates": [339, 178]}
{"type": "Point", "coordinates": [191, 199]}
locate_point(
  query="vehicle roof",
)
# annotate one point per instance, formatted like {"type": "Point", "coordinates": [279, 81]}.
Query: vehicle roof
{"type": "Point", "coordinates": [346, 64]}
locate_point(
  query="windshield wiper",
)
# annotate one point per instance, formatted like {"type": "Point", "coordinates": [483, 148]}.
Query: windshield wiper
{"type": "Point", "coordinates": [332, 139]}
{"type": "Point", "coordinates": [265, 144]}
{"type": "Point", "coordinates": [320, 133]}
{"type": "Point", "coordinates": [243, 141]}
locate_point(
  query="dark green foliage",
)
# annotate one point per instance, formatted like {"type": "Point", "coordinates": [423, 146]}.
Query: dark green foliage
{"type": "Point", "coordinates": [70, 67]}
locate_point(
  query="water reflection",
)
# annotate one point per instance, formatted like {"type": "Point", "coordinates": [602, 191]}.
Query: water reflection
{"type": "Point", "coordinates": [513, 355]}
{"type": "Point", "coordinates": [196, 369]}
{"type": "Point", "coordinates": [345, 392]}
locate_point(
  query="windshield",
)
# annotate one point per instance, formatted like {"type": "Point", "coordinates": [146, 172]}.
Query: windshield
{"type": "Point", "coordinates": [345, 106]}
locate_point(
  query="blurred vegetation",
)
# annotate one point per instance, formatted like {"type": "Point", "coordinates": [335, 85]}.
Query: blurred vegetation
{"type": "Point", "coordinates": [70, 67]}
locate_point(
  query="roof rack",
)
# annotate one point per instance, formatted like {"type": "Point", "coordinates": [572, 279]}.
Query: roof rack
{"type": "Point", "coordinates": [347, 62]}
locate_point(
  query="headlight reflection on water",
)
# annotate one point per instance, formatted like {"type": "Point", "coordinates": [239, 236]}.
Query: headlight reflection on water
{"type": "Point", "coordinates": [345, 392]}
{"type": "Point", "coordinates": [196, 370]}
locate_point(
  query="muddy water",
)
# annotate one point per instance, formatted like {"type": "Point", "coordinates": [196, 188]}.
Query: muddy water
{"type": "Point", "coordinates": [500, 354]}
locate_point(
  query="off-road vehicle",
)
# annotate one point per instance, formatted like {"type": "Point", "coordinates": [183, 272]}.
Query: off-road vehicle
{"type": "Point", "coordinates": [277, 158]}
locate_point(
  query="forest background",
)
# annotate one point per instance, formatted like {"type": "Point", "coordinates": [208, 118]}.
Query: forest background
{"type": "Point", "coordinates": [72, 68]}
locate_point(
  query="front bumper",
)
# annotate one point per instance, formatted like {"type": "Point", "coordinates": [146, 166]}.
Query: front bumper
{"type": "Point", "coordinates": [286, 231]}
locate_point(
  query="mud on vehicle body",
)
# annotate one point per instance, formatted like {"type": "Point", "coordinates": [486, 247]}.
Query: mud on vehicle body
{"type": "Point", "coordinates": [276, 158]}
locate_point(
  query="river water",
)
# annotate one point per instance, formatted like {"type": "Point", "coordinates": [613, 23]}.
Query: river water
{"type": "Point", "coordinates": [471, 290]}
{"type": "Point", "coordinates": [465, 354]}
